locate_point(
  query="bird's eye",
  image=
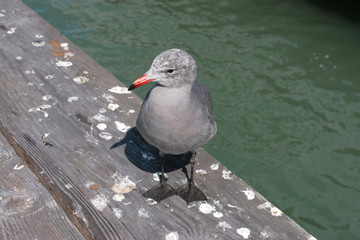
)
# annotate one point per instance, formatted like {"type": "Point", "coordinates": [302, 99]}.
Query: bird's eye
{"type": "Point", "coordinates": [170, 70]}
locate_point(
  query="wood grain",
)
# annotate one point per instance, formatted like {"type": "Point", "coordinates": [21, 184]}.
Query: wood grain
{"type": "Point", "coordinates": [53, 98]}
{"type": "Point", "coordinates": [24, 203]}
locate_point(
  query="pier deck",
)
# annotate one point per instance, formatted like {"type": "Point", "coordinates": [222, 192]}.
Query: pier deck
{"type": "Point", "coordinates": [73, 165]}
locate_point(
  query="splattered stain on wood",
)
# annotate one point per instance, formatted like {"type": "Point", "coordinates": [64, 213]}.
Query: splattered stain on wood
{"type": "Point", "coordinates": [73, 166]}
{"type": "Point", "coordinates": [58, 50]}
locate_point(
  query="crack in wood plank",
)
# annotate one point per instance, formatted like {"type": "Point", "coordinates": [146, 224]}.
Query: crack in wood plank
{"type": "Point", "coordinates": [79, 209]}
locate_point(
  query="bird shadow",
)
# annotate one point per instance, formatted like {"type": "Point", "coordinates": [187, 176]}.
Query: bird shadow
{"type": "Point", "coordinates": [146, 157]}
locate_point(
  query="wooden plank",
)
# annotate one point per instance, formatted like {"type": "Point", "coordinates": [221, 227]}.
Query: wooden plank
{"type": "Point", "coordinates": [24, 203]}
{"type": "Point", "coordinates": [97, 172]}
{"type": "Point", "coordinates": [89, 221]}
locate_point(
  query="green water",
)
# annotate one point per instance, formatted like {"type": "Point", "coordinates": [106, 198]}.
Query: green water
{"type": "Point", "coordinates": [284, 76]}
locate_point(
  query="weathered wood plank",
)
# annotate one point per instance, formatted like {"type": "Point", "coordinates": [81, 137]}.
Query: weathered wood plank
{"type": "Point", "coordinates": [96, 171]}
{"type": "Point", "coordinates": [24, 203]}
{"type": "Point", "coordinates": [89, 221]}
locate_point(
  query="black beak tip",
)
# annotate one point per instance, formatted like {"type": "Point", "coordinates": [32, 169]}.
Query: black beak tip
{"type": "Point", "coordinates": [131, 87]}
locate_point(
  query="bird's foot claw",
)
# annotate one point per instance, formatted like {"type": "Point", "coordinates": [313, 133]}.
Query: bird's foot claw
{"type": "Point", "coordinates": [190, 193]}
{"type": "Point", "coordinates": [160, 192]}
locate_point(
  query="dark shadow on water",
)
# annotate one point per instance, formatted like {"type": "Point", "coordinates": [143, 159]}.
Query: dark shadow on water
{"type": "Point", "coordinates": [348, 9]}
{"type": "Point", "coordinates": [146, 157]}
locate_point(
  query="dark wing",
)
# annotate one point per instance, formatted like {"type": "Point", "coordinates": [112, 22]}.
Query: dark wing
{"type": "Point", "coordinates": [201, 95]}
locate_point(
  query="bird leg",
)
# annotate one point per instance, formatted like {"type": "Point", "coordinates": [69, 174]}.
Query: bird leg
{"type": "Point", "coordinates": [189, 192]}
{"type": "Point", "coordinates": [162, 190]}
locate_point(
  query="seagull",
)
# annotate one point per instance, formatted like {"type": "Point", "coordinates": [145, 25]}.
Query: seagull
{"type": "Point", "coordinates": [175, 117]}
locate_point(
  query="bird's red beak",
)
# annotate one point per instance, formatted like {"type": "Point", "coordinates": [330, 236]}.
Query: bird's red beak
{"type": "Point", "coordinates": [138, 82]}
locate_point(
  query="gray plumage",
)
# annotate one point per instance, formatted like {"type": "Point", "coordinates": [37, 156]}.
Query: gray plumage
{"type": "Point", "coordinates": [176, 115]}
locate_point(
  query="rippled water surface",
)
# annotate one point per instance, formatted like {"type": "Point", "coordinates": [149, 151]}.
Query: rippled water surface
{"type": "Point", "coordinates": [284, 76]}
